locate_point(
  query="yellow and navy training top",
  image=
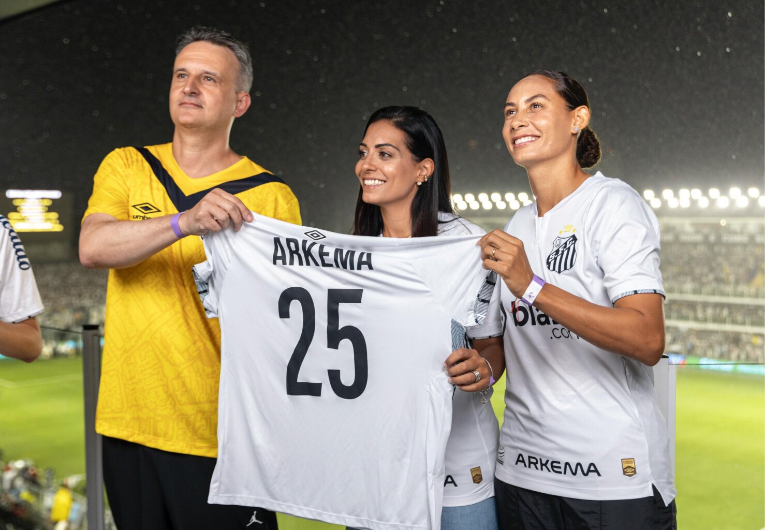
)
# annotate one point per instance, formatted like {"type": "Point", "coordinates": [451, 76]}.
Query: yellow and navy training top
{"type": "Point", "coordinates": [161, 359]}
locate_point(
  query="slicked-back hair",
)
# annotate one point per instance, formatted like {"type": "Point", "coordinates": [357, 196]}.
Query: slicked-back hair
{"type": "Point", "coordinates": [424, 140]}
{"type": "Point", "coordinates": [587, 144]}
{"type": "Point", "coordinates": [222, 38]}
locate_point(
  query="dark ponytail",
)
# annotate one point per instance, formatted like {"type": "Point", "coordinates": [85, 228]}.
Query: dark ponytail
{"type": "Point", "coordinates": [587, 144]}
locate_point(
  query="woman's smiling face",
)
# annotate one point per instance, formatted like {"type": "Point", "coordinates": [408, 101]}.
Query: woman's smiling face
{"type": "Point", "coordinates": [538, 125]}
{"type": "Point", "coordinates": [387, 170]}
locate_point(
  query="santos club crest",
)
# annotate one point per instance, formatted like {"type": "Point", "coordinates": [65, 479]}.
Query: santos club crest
{"type": "Point", "coordinates": [563, 254]}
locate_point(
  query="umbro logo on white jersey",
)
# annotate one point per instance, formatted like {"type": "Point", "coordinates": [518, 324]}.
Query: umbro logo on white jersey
{"type": "Point", "coordinates": [315, 235]}
{"type": "Point", "coordinates": [254, 518]}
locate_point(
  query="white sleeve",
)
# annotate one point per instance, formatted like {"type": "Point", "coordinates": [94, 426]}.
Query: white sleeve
{"type": "Point", "coordinates": [453, 271]}
{"type": "Point", "coordinates": [210, 275]}
{"type": "Point", "coordinates": [627, 246]}
{"type": "Point", "coordinates": [19, 297]}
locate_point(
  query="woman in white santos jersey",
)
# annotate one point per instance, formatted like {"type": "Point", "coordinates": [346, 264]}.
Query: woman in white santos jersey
{"type": "Point", "coordinates": [583, 444]}
{"type": "Point", "coordinates": [403, 174]}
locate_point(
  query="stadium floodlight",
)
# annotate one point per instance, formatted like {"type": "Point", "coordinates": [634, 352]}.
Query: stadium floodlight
{"type": "Point", "coordinates": [474, 205]}
{"type": "Point", "coordinates": [648, 195]}
{"type": "Point", "coordinates": [515, 205]}
{"type": "Point", "coordinates": [714, 193]}
{"type": "Point", "coordinates": [469, 197]}
{"type": "Point", "coordinates": [684, 193]}
{"type": "Point", "coordinates": [457, 197]}
{"type": "Point", "coordinates": [672, 202]}
{"type": "Point", "coordinates": [523, 196]}
{"type": "Point", "coordinates": [742, 201]}
{"type": "Point", "coordinates": [496, 197]}
{"type": "Point", "coordinates": [667, 194]}
{"type": "Point", "coordinates": [761, 200]}
{"type": "Point", "coordinates": [723, 201]}
{"type": "Point", "coordinates": [483, 197]}
{"type": "Point", "coordinates": [703, 202]}
{"type": "Point", "coordinates": [33, 194]}
{"type": "Point", "coordinates": [501, 205]}
{"type": "Point", "coordinates": [486, 205]}
{"type": "Point", "coordinates": [655, 202]}
{"type": "Point", "coordinates": [509, 197]}
{"type": "Point", "coordinates": [685, 202]}
{"type": "Point", "coordinates": [696, 194]}
{"type": "Point", "coordinates": [734, 193]}
{"type": "Point", "coordinates": [753, 193]}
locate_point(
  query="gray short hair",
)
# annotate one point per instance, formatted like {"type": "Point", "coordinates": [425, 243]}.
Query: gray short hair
{"type": "Point", "coordinates": [222, 38]}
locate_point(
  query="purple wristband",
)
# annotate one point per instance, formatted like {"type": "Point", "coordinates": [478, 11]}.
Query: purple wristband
{"type": "Point", "coordinates": [174, 224]}
{"type": "Point", "coordinates": [532, 291]}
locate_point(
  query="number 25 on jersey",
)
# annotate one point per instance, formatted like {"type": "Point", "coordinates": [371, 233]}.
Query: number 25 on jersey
{"type": "Point", "coordinates": [335, 334]}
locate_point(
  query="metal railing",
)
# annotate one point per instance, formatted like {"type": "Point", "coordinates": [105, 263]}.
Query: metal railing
{"type": "Point", "coordinates": [94, 469]}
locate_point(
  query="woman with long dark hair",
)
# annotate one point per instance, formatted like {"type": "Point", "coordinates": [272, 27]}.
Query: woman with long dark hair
{"type": "Point", "coordinates": [583, 444]}
{"type": "Point", "coordinates": [403, 174]}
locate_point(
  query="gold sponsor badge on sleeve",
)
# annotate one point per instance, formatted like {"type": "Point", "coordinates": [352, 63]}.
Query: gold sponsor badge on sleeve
{"type": "Point", "coordinates": [477, 476]}
{"type": "Point", "coordinates": [628, 467]}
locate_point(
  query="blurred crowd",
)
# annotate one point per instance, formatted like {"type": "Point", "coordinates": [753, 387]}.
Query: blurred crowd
{"type": "Point", "coordinates": [717, 313]}
{"type": "Point", "coordinates": [727, 346]}
{"type": "Point", "coordinates": [31, 501]}
{"type": "Point", "coordinates": [708, 258]}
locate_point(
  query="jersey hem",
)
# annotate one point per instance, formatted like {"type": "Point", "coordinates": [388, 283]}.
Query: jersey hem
{"type": "Point", "coordinates": [307, 513]}
{"type": "Point", "coordinates": [468, 500]}
{"type": "Point", "coordinates": [186, 448]}
{"type": "Point", "coordinates": [587, 494]}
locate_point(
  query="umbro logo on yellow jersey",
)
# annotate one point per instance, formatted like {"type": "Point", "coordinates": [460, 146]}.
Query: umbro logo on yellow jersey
{"type": "Point", "coordinates": [146, 209]}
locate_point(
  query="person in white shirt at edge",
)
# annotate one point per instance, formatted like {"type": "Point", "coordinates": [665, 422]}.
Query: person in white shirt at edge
{"type": "Point", "coordinates": [403, 174]}
{"type": "Point", "coordinates": [20, 336]}
{"type": "Point", "coordinates": [583, 444]}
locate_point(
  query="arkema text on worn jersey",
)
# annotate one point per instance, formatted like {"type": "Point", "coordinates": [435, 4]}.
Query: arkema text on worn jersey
{"type": "Point", "coordinates": [294, 252]}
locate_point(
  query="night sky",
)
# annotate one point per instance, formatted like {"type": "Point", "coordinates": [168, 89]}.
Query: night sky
{"type": "Point", "coordinates": [676, 90]}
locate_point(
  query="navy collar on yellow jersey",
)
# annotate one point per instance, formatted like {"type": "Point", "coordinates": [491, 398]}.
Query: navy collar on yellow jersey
{"type": "Point", "coordinates": [185, 202]}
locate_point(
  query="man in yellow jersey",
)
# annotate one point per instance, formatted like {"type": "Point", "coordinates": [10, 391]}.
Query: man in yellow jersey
{"type": "Point", "coordinates": [158, 401]}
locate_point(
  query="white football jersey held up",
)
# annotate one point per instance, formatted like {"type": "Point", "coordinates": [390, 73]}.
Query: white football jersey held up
{"type": "Point", "coordinates": [580, 421]}
{"type": "Point", "coordinates": [19, 297]}
{"type": "Point", "coordinates": [334, 403]}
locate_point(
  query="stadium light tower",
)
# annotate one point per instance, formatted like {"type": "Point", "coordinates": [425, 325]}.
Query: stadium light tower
{"type": "Point", "coordinates": [703, 202]}
{"type": "Point", "coordinates": [667, 194]}
{"type": "Point", "coordinates": [734, 193]}
{"type": "Point", "coordinates": [648, 195]}
{"type": "Point", "coordinates": [722, 201]}
{"type": "Point", "coordinates": [673, 202]}
{"type": "Point", "coordinates": [742, 201]}
{"type": "Point", "coordinates": [656, 203]}
{"type": "Point", "coordinates": [714, 193]}
{"type": "Point", "coordinates": [696, 194]}
{"type": "Point", "coordinates": [753, 193]}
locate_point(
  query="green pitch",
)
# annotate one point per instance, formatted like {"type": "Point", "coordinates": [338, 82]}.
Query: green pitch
{"type": "Point", "coordinates": [720, 437]}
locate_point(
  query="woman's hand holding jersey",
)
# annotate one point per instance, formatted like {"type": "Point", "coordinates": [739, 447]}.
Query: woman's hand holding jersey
{"type": "Point", "coordinates": [633, 327]}
{"type": "Point", "coordinates": [472, 370]}
{"type": "Point", "coordinates": [505, 255]}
